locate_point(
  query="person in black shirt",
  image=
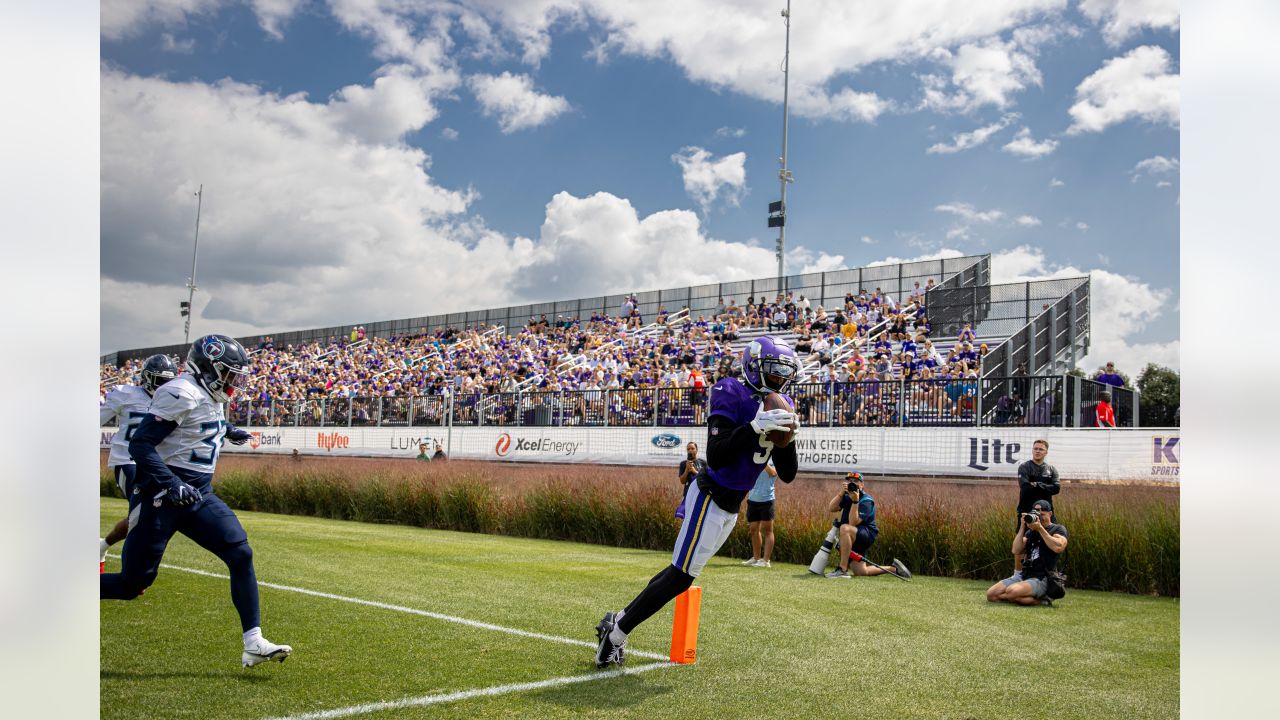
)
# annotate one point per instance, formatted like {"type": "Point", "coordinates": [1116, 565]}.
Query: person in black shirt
{"type": "Point", "coordinates": [1042, 540]}
{"type": "Point", "coordinates": [1037, 480]}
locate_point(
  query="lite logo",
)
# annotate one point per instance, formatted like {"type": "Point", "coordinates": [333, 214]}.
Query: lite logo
{"type": "Point", "coordinates": [1164, 456]}
{"type": "Point", "coordinates": [332, 440]}
{"type": "Point", "coordinates": [991, 451]}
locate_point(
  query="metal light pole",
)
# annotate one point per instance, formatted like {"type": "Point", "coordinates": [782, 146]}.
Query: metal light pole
{"type": "Point", "coordinates": [784, 175]}
{"type": "Point", "coordinates": [191, 281]}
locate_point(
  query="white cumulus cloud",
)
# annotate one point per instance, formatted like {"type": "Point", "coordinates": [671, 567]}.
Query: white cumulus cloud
{"type": "Point", "coordinates": [513, 100]}
{"type": "Point", "coordinates": [1121, 308]}
{"type": "Point", "coordinates": [1028, 220]}
{"type": "Point", "coordinates": [967, 212]}
{"type": "Point", "coordinates": [707, 178]}
{"type": "Point", "coordinates": [1157, 165]}
{"type": "Point", "coordinates": [1026, 146]}
{"type": "Point", "coordinates": [965, 141]}
{"type": "Point", "coordinates": [1139, 84]}
{"type": "Point", "coordinates": [1122, 18]}
{"type": "Point", "coordinates": [311, 219]}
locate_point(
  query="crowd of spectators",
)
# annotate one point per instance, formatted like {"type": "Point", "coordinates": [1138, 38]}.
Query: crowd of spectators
{"type": "Point", "coordinates": [870, 339]}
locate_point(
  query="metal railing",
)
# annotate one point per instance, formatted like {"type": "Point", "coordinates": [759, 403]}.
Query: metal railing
{"type": "Point", "coordinates": [1037, 401]}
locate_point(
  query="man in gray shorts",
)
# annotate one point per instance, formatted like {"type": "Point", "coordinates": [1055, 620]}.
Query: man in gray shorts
{"type": "Point", "coordinates": [1043, 541]}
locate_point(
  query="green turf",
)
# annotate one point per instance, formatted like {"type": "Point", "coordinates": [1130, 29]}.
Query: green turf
{"type": "Point", "coordinates": [773, 643]}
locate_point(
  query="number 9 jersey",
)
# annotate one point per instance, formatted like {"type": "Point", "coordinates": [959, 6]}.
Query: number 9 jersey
{"type": "Point", "coordinates": [194, 443]}
{"type": "Point", "coordinates": [733, 400]}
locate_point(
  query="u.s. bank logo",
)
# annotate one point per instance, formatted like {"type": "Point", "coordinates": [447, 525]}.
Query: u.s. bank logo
{"type": "Point", "coordinates": [1164, 455]}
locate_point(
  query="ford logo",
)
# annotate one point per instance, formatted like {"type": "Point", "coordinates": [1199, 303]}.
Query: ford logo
{"type": "Point", "coordinates": [666, 440]}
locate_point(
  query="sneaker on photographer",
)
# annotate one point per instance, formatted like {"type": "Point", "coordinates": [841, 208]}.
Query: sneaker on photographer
{"type": "Point", "coordinates": [762, 563]}
{"type": "Point", "coordinates": [838, 574]}
{"type": "Point", "coordinates": [750, 563]}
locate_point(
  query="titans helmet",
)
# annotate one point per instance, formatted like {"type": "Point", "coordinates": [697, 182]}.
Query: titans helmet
{"type": "Point", "coordinates": [156, 371]}
{"type": "Point", "coordinates": [769, 364]}
{"type": "Point", "coordinates": [220, 364]}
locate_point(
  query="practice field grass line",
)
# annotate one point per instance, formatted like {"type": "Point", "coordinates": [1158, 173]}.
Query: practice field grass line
{"type": "Point", "coordinates": [415, 611]}
{"type": "Point", "coordinates": [468, 694]}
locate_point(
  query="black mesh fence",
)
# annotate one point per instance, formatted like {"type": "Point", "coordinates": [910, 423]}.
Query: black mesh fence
{"type": "Point", "coordinates": [1037, 401]}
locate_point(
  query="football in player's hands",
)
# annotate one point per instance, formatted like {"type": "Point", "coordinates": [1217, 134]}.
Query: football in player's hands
{"type": "Point", "coordinates": [780, 438]}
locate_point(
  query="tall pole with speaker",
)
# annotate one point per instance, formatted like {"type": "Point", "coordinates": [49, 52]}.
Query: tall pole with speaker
{"type": "Point", "coordinates": [185, 307]}
{"type": "Point", "coordinates": [778, 210]}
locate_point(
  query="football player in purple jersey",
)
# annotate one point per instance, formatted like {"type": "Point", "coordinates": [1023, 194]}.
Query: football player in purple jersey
{"type": "Point", "coordinates": [737, 450]}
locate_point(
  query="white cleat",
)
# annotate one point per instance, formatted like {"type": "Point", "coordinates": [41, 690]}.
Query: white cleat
{"type": "Point", "coordinates": [262, 650]}
{"type": "Point", "coordinates": [102, 550]}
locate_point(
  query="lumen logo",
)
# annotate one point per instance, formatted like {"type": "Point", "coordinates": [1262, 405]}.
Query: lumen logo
{"type": "Point", "coordinates": [332, 440]}
{"type": "Point", "coordinates": [504, 445]}
{"type": "Point", "coordinates": [992, 451]}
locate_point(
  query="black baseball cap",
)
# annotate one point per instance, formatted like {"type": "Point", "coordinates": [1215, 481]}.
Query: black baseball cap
{"type": "Point", "coordinates": [1042, 505]}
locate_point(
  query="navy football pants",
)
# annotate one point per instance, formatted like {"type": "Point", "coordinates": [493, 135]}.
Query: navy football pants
{"type": "Point", "coordinates": [211, 525]}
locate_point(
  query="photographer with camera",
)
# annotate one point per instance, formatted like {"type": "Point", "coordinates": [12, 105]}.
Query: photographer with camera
{"type": "Point", "coordinates": [1037, 480]}
{"type": "Point", "coordinates": [690, 468]}
{"type": "Point", "coordinates": [857, 530]}
{"type": "Point", "coordinates": [1042, 540]}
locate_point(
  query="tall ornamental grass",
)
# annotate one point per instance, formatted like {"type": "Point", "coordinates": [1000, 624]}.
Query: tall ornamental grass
{"type": "Point", "coordinates": [1123, 538]}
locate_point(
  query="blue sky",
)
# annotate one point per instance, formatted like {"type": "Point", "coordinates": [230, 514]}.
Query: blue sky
{"type": "Point", "coordinates": [369, 160]}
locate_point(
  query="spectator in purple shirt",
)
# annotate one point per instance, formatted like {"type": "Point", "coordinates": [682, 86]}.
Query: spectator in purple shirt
{"type": "Point", "coordinates": [1109, 376]}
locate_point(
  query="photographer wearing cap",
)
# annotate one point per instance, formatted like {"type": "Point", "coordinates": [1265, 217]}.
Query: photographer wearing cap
{"type": "Point", "coordinates": [858, 530]}
{"type": "Point", "coordinates": [1042, 540]}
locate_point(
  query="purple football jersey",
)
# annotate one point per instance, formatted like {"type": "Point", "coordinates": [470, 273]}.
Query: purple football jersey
{"type": "Point", "coordinates": [735, 401]}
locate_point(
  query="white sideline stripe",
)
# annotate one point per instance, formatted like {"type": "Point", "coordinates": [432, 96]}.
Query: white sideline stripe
{"type": "Point", "coordinates": [468, 694]}
{"type": "Point", "coordinates": [415, 611]}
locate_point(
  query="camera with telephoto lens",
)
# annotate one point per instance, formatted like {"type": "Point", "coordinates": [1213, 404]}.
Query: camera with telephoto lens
{"type": "Point", "coordinates": [1031, 517]}
{"type": "Point", "coordinates": [853, 483]}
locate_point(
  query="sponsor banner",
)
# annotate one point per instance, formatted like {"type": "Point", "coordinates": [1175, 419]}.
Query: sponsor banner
{"type": "Point", "coordinates": [1093, 454]}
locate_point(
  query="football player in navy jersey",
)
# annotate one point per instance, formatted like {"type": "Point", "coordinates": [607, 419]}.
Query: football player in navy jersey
{"type": "Point", "coordinates": [128, 405]}
{"type": "Point", "coordinates": [176, 449]}
{"type": "Point", "coordinates": [737, 450]}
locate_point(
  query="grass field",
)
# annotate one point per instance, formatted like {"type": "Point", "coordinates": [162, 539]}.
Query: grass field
{"type": "Point", "coordinates": [773, 642]}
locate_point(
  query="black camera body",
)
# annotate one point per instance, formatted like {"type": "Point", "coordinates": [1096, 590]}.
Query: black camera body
{"type": "Point", "coordinates": [1031, 517]}
{"type": "Point", "coordinates": [852, 486]}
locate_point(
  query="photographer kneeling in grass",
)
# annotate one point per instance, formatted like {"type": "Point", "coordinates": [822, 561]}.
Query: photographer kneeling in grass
{"type": "Point", "coordinates": [858, 531]}
{"type": "Point", "coordinates": [1043, 541]}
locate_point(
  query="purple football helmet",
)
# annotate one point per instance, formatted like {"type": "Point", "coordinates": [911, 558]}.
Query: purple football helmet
{"type": "Point", "coordinates": [769, 364]}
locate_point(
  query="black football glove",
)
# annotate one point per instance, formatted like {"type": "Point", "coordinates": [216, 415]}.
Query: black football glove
{"type": "Point", "coordinates": [238, 436]}
{"type": "Point", "coordinates": [182, 494]}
